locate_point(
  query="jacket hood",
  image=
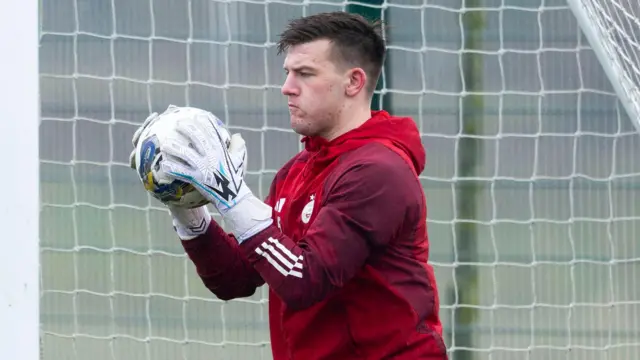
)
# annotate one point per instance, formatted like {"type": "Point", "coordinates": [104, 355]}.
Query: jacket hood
{"type": "Point", "coordinates": [401, 132]}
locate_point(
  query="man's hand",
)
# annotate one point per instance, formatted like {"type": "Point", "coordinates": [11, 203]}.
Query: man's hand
{"type": "Point", "coordinates": [204, 154]}
{"type": "Point", "coordinates": [197, 153]}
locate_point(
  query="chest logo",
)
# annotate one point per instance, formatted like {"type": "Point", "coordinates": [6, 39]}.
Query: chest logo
{"type": "Point", "coordinates": [307, 211]}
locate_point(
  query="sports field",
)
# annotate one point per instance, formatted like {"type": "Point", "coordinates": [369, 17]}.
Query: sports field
{"type": "Point", "coordinates": [128, 292]}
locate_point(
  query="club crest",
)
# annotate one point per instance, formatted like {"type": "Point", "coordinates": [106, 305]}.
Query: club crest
{"type": "Point", "coordinates": [307, 211]}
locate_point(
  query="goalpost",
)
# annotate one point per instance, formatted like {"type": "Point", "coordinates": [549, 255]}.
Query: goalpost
{"type": "Point", "coordinates": [613, 30]}
{"type": "Point", "coordinates": [19, 120]}
{"type": "Point", "coordinates": [554, 255]}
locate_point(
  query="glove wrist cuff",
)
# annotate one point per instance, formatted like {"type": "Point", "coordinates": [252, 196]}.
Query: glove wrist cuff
{"type": "Point", "coordinates": [247, 218]}
{"type": "Point", "coordinates": [190, 223]}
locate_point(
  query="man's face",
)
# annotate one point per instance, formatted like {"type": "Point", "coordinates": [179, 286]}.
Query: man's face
{"type": "Point", "coordinates": [315, 88]}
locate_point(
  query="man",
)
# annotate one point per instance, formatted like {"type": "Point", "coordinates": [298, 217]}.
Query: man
{"type": "Point", "coordinates": [341, 239]}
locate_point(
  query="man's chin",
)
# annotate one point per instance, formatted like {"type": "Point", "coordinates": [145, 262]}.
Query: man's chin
{"type": "Point", "coordinates": [302, 132]}
{"type": "Point", "coordinates": [299, 127]}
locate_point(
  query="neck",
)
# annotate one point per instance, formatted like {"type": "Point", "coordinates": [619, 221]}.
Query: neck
{"type": "Point", "coordinates": [348, 119]}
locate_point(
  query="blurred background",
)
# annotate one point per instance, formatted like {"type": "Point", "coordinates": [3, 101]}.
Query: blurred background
{"type": "Point", "coordinates": [531, 182]}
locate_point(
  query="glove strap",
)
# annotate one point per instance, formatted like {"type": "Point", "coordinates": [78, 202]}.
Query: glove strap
{"type": "Point", "coordinates": [190, 223]}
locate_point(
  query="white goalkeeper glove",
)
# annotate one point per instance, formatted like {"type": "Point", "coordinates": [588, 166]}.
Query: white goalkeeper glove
{"type": "Point", "coordinates": [188, 223]}
{"type": "Point", "coordinates": [199, 155]}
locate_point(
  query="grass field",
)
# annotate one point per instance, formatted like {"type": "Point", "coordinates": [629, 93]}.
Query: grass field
{"type": "Point", "coordinates": [116, 283]}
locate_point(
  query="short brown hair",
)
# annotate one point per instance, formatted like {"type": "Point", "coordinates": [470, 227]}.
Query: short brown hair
{"type": "Point", "coordinates": [356, 41]}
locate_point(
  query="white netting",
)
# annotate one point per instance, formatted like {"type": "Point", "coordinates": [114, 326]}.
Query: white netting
{"type": "Point", "coordinates": [613, 28]}
{"type": "Point", "coordinates": [558, 218]}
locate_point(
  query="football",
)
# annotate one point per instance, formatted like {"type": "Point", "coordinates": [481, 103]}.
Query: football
{"type": "Point", "coordinates": [148, 157]}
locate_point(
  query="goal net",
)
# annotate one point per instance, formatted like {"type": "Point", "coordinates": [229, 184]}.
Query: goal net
{"type": "Point", "coordinates": [556, 255]}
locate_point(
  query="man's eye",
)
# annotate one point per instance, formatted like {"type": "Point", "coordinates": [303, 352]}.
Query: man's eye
{"type": "Point", "coordinates": [305, 74]}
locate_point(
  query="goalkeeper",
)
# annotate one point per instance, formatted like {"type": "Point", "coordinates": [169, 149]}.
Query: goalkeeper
{"type": "Point", "coordinates": [341, 239]}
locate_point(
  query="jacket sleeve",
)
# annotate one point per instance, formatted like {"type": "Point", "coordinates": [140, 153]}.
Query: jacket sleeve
{"type": "Point", "coordinates": [223, 268]}
{"type": "Point", "coordinates": [220, 263]}
{"type": "Point", "coordinates": [363, 210]}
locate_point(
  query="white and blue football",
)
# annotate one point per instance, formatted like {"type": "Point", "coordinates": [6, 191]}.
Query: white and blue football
{"type": "Point", "coordinates": [148, 158]}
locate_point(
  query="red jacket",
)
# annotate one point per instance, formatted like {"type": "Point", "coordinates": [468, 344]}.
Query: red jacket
{"type": "Point", "coordinates": [346, 257]}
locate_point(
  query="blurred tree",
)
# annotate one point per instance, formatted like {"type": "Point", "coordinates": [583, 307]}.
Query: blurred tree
{"type": "Point", "coordinates": [464, 291]}
{"type": "Point", "coordinates": [372, 10]}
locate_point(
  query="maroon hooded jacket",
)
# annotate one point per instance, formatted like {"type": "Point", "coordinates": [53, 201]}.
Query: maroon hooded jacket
{"type": "Point", "coordinates": [346, 257]}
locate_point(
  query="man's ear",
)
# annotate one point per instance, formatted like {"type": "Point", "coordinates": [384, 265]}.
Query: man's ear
{"type": "Point", "coordinates": [357, 80]}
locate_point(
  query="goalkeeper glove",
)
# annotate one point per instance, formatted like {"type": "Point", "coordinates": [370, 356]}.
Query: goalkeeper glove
{"type": "Point", "coordinates": [199, 155]}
